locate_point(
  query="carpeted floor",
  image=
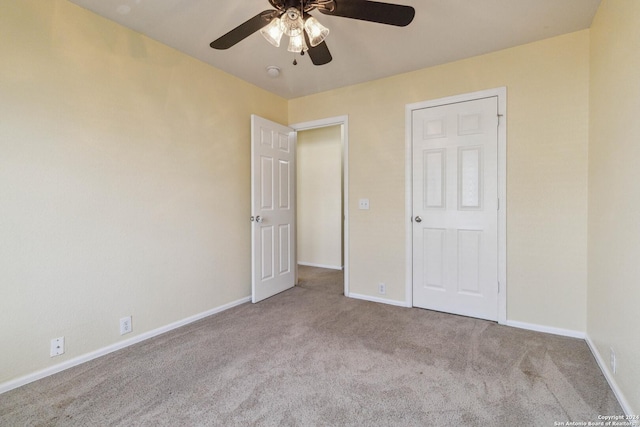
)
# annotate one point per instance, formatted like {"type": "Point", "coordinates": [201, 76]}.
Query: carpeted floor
{"type": "Point", "coordinates": [310, 356]}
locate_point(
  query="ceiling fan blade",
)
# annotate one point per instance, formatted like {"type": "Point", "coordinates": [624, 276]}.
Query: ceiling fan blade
{"type": "Point", "coordinates": [372, 11]}
{"type": "Point", "coordinates": [320, 54]}
{"type": "Point", "coordinates": [244, 30]}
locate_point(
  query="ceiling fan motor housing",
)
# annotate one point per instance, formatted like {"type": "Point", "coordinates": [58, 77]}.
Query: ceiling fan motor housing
{"type": "Point", "coordinates": [304, 5]}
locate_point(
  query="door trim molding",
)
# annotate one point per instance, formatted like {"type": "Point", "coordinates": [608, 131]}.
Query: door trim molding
{"type": "Point", "coordinates": [344, 122]}
{"type": "Point", "coordinates": [501, 94]}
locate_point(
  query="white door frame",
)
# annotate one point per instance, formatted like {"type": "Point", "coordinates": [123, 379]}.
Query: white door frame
{"type": "Point", "coordinates": [344, 122]}
{"type": "Point", "coordinates": [501, 94]}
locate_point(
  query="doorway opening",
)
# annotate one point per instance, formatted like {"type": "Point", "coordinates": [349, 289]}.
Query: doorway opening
{"type": "Point", "coordinates": [322, 196]}
{"type": "Point", "coordinates": [319, 197]}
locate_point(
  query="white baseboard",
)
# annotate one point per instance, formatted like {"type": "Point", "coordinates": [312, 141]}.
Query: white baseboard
{"type": "Point", "coordinates": [18, 382]}
{"type": "Point", "coordinates": [331, 267]}
{"type": "Point", "coordinates": [546, 329]}
{"type": "Point", "coordinates": [380, 300]}
{"type": "Point", "coordinates": [604, 367]}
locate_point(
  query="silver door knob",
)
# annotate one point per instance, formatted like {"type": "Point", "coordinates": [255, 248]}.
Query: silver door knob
{"type": "Point", "coordinates": [258, 218]}
{"type": "Point", "coordinates": [418, 219]}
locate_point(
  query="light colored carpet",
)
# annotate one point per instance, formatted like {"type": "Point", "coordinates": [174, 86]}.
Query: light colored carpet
{"type": "Point", "coordinates": [310, 356]}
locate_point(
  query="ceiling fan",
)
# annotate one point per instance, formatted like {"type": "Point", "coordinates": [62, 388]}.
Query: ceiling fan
{"type": "Point", "coordinates": [306, 34]}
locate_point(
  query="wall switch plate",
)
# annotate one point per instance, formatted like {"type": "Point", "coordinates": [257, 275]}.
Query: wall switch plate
{"type": "Point", "coordinates": [125, 325]}
{"type": "Point", "coordinates": [382, 288]}
{"type": "Point", "coordinates": [363, 204]}
{"type": "Point", "coordinates": [57, 346]}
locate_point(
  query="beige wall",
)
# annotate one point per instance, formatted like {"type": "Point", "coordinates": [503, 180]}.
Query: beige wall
{"type": "Point", "coordinates": [319, 196]}
{"type": "Point", "coordinates": [124, 183]}
{"type": "Point", "coordinates": [124, 180]}
{"type": "Point", "coordinates": [614, 192]}
{"type": "Point", "coordinates": [548, 88]}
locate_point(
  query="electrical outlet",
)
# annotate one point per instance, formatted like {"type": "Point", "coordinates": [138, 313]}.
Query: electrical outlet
{"type": "Point", "coordinates": [57, 346]}
{"type": "Point", "coordinates": [612, 360]}
{"type": "Point", "coordinates": [382, 288]}
{"type": "Point", "coordinates": [125, 325]}
{"type": "Point", "coordinates": [363, 204]}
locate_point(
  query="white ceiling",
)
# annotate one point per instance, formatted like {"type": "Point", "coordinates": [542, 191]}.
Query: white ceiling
{"type": "Point", "coordinates": [442, 31]}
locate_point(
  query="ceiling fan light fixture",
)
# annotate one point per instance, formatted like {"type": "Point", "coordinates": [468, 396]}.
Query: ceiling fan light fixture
{"type": "Point", "coordinates": [292, 17]}
{"type": "Point", "coordinates": [291, 22]}
{"type": "Point", "coordinates": [272, 32]}
{"type": "Point", "coordinates": [297, 44]}
{"type": "Point", "coordinates": [316, 31]}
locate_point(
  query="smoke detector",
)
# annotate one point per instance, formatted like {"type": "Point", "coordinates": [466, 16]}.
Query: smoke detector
{"type": "Point", "coordinates": [273, 71]}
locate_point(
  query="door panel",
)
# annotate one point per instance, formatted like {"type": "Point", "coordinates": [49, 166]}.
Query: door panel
{"type": "Point", "coordinates": [434, 259]}
{"type": "Point", "coordinates": [285, 184]}
{"type": "Point", "coordinates": [273, 208]}
{"type": "Point", "coordinates": [266, 183]}
{"type": "Point", "coordinates": [455, 238]}
{"type": "Point", "coordinates": [469, 177]}
{"type": "Point", "coordinates": [469, 261]}
{"type": "Point", "coordinates": [267, 261]}
{"type": "Point", "coordinates": [285, 248]}
{"type": "Point", "coordinates": [434, 178]}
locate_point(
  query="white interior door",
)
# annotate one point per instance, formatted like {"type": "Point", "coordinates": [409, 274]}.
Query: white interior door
{"type": "Point", "coordinates": [455, 208]}
{"type": "Point", "coordinates": [273, 190]}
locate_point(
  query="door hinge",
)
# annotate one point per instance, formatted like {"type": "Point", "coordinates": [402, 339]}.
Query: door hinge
{"type": "Point", "coordinates": [499, 116]}
{"type": "Point", "coordinates": [498, 204]}
{"type": "Point", "coordinates": [498, 286]}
